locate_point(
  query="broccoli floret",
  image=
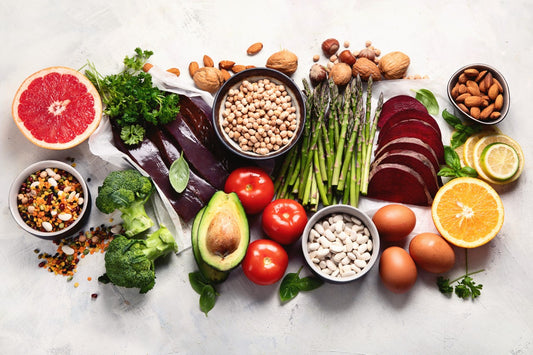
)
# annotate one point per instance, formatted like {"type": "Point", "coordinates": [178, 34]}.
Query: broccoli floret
{"type": "Point", "coordinates": [127, 191]}
{"type": "Point", "coordinates": [130, 262]}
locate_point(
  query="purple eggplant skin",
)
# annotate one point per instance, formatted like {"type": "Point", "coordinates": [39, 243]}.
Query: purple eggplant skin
{"type": "Point", "coordinates": [200, 157]}
{"type": "Point", "coordinates": [145, 154]}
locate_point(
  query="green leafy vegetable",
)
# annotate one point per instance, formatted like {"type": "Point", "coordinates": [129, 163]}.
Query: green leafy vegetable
{"type": "Point", "coordinates": [179, 174]}
{"type": "Point", "coordinates": [292, 284]}
{"type": "Point", "coordinates": [465, 287]}
{"type": "Point", "coordinates": [427, 98]}
{"type": "Point", "coordinates": [131, 101]}
{"type": "Point", "coordinates": [205, 289]}
{"type": "Point", "coordinates": [453, 168]}
{"type": "Point", "coordinates": [461, 131]}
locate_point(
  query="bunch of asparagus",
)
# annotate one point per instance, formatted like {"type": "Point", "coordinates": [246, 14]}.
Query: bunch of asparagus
{"type": "Point", "coordinates": [331, 162]}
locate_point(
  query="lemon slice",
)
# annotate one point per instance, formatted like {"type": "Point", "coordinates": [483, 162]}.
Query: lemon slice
{"type": "Point", "coordinates": [468, 146]}
{"type": "Point", "coordinates": [499, 161]}
{"type": "Point", "coordinates": [496, 138]}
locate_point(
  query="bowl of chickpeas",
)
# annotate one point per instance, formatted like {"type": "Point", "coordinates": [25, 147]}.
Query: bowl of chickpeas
{"type": "Point", "coordinates": [49, 199]}
{"type": "Point", "coordinates": [259, 113]}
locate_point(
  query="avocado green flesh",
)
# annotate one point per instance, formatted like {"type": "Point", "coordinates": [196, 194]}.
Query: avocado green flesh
{"type": "Point", "coordinates": [206, 270]}
{"type": "Point", "coordinates": [223, 225]}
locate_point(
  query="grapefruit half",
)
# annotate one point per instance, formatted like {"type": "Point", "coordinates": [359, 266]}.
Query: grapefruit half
{"type": "Point", "coordinates": [57, 108]}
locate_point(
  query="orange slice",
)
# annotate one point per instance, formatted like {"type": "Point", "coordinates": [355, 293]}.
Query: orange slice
{"type": "Point", "coordinates": [467, 212]}
{"type": "Point", "coordinates": [57, 108]}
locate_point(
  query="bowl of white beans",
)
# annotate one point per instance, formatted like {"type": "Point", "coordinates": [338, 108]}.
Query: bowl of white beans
{"type": "Point", "coordinates": [340, 243]}
{"type": "Point", "coordinates": [50, 200]}
{"type": "Point", "coordinates": [259, 113]}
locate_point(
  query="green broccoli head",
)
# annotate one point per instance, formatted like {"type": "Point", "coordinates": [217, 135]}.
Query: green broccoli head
{"type": "Point", "coordinates": [130, 262]}
{"type": "Point", "coordinates": [127, 191]}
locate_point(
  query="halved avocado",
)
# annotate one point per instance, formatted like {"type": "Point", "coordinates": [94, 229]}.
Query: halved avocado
{"type": "Point", "coordinates": [223, 232]}
{"type": "Point", "coordinates": [206, 270]}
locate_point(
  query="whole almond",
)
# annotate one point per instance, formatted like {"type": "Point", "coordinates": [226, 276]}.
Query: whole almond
{"type": "Point", "coordinates": [226, 64]}
{"type": "Point", "coordinates": [486, 112]}
{"type": "Point", "coordinates": [498, 102]}
{"type": "Point", "coordinates": [147, 67]}
{"type": "Point", "coordinates": [495, 81]}
{"type": "Point", "coordinates": [481, 75]}
{"type": "Point", "coordinates": [193, 67]}
{"type": "Point", "coordinates": [482, 86]}
{"type": "Point", "coordinates": [225, 74]}
{"type": "Point", "coordinates": [208, 62]}
{"type": "Point", "coordinates": [250, 66]}
{"type": "Point", "coordinates": [254, 48]}
{"type": "Point", "coordinates": [463, 108]}
{"type": "Point", "coordinates": [238, 68]}
{"type": "Point", "coordinates": [473, 101]}
{"type": "Point", "coordinates": [462, 88]}
{"type": "Point", "coordinates": [455, 90]}
{"type": "Point", "coordinates": [462, 97]}
{"type": "Point", "coordinates": [174, 71]}
{"type": "Point", "coordinates": [473, 88]}
{"type": "Point", "coordinates": [471, 72]}
{"type": "Point", "coordinates": [488, 80]}
{"type": "Point", "coordinates": [494, 115]}
{"type": "Point", "coordinates": [475, 111]}
{"type": "Point", "coordinates": [493, 91]}
{"type": "Point", "coordinates": [462, 78]}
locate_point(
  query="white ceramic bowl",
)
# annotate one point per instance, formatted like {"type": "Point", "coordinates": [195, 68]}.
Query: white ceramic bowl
{"type": "Point", "coordinates": [326, 212]}
{"type": "Point", "coordinates": [41, 165]}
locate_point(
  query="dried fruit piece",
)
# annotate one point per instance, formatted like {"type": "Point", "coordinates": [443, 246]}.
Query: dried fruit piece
{"type": "Point", "coordinates": [254, 48]}
{"type": "Point", "coordinates": [285, 61]}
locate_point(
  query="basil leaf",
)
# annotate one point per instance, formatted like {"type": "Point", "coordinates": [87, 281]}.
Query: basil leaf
{"type": "Point", "coordinates": [179, 174]}
{"type": "Point", "coordinates": [292, 284]}
{"type": "Point", "coordinates": [458, 138]}
{"type": "Point", "coordinates": [198, 281]}
{"type": "Point", "coordinates": [207, 299]}
{"type": "Point", "coordinates": [447, 172]}
{"type": "Point", "coordinates": [427, 98]}
{"type": "Point", "coordinates": [451, 119]}
{"type": "Point", "coordinates": [452, 158]}
{"type": "Point", "coordinates": [467, 171]}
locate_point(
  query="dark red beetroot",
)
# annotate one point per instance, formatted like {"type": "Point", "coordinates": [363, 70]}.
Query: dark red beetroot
{"type": "Point", "coordinates": [416, 161]}
{"type": "Point", "coordinates": [406, 125]}
{"type": "Point", "coordinates": [399, 103]}
{"type": "Point", "coordinates": [415, 129]}
{"type": "Point", "coordinates": [409, 143]}
{"type": "Point", "coordinates": [408, 115]}
{"type": "Point", "coordinates": [398, 183]}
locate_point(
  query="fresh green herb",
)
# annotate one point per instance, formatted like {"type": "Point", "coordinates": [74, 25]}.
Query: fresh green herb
{"type": "Point", "coordinates": [179, 174]}
{"type": "Point", "coordinates": [453, 168]}
{"type": "Point", "coordinates": [292, 284]}
{"type": "Point", "coordinates": [461, 131]}
{"type": "Point", "coordinates": [427, 98]}
{"type": "Point", "coordinates": [131, 101]}
{"type": "Point", "coordinates": [205, 289]}
{"type": "Point", "coordinates": [465, 288]}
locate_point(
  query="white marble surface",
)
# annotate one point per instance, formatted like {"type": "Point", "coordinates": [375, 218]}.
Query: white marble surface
{"type": "Point", "coordinates": [44, 314]}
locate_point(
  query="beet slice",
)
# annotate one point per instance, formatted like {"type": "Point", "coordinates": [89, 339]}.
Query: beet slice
{"type": "Point", "coordinates": [398, 183]}
{"type": "Point", "coordinates": [414, 129]}
{"type": "Point", "coordinates": [409, 115]}
{"type": "Point", "coordinates": [409, 143]}
{"type": "Point", "coordinates": [399, 103]}
{"type": "Point", "coordinates": [414, 160]}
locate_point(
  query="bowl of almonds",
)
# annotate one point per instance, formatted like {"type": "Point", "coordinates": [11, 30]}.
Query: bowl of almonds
{"type": "Point", "coordinates": [480, 93]}
{"type": "Point", "coordinates": [259, 113]}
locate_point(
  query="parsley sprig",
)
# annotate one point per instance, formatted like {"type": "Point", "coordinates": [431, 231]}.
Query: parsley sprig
{"type": "Point", "coordinates": [131, 100]}
{"type": "Point", "coordinates": [465, 287]}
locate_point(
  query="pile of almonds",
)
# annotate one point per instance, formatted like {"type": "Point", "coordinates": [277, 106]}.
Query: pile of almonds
{"type": "Point", "coordinates": [345, 64]}
{"type": "Point", "coordinates": [478, 94]}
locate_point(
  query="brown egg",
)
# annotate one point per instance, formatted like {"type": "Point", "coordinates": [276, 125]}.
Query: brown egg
{"type": "Point", "coordinates": [397, 270]}
{"type": "Point", "coordinates": [394, 222]}
{"type": "Point", "coordinates": [432, 253]}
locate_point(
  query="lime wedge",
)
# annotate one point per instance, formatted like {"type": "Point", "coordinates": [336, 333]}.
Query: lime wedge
{"type": "Point", "coordinates": [499, 161]}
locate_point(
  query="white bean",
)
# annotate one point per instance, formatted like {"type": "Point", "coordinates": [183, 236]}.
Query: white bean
{"type": "Point", "coordinates": [313, 246]}
{"type": "Point", "coordinates": [362, 248]}
{"type": "Point", "coordinates": [338, 257]}
{"type": "Point", "coordinates": [321, 253]}
{"type": "Point", "coordinates": [336, 247]}
{"type": "Point", "coordinates": [361, 239]}
{"type": "Point", "coordinates": [47, 226]}
{"type": "Point", "coordinates": [366, 256]}
{"type": "Point", "coordinates": [369, 245]}
{"type": "Point", "coordinates": [331, 265]}
{"type": "Point", "coordinates": [319, 228]}
{"type": "Point", "coordinates": [330, 235]}
{"type": "Point", "coordinates": [359, 263]}
{"type": "Point", "coordinates": [324, 242]}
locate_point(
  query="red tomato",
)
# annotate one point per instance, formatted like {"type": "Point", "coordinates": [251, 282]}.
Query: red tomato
{"type": "Point", "coordinates": [265, 262]}
{"type": "Point", "coordinates": [284, 220]}
{"type": "Point", "coordinates": [253, 186]}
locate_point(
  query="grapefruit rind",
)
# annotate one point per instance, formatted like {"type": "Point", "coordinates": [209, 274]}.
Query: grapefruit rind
{"type": "Point", "coordinates": [467, 212]}
{"type": "Point", "coordinates": [78, 138]}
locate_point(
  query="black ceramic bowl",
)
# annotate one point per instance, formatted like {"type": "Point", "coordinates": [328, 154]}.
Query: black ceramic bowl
{"type": "Point", "coordinates": [57, 234]}
{"type": "Point", "coordinates": [254, 75]}
{"type": "Point", "coordinates": [496, 75]}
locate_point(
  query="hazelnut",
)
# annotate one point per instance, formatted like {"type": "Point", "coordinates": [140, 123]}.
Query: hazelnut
{"type": "Point", "coordinates": [317, 74]}
{"type": "Point", "coordinates": [316, 58]}
{"type": "Point", "coordinates": [347, 57]}
{"type": "Point", "coordinates": [341, 73]}
{"type": "Point", "coordinates": [367, 53]}
{"type": "Point", "coordinates": [285, 61]}
{"type": "Point", "coordinates": [330, 47]}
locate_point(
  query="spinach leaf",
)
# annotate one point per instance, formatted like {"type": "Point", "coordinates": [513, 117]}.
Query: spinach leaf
{"type": "Point", "coordinates": [292, 284]}
{"type": "Point", "coordinates": [427, 98]}
{"type": "Point", "coordinates": [179, 174]}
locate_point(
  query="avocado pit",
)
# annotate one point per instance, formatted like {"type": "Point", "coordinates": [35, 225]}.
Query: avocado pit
{"type": "Point", "coordinates": [223, 234]}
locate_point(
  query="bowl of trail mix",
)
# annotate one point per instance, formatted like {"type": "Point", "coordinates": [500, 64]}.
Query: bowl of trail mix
{"type": "Point", "coordinates": [49, 199]}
